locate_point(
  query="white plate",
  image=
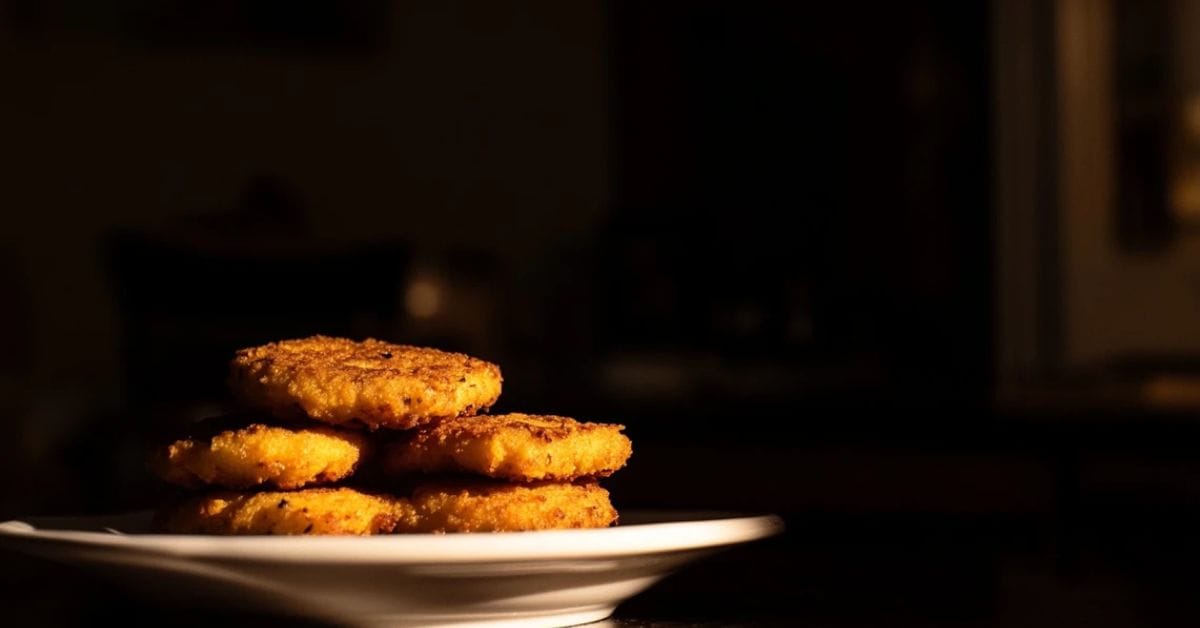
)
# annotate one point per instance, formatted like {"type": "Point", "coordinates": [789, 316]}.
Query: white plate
{"type": "Point", "coordinates": [552, 578]}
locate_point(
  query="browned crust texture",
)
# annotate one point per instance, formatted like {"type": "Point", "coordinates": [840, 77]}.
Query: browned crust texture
{"type": "Point", "coordinates": [518, 447]}
{"type": "Point", "coordinates": [496, 507]}
{"type": "Point", "coordinates": [363, 383]}
{"type": "Point", "coordinates": [261, 455]}
{"type": "Point", "coordinates": [317, 511]}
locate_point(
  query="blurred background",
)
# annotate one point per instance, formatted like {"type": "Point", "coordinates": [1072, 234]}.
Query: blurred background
{"type": "Point", "coordinates": [921, 277]}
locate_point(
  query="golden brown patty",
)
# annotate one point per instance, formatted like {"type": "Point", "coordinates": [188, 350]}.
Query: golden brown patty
{"type": "Point", "coordinates": [310, 511]}
{"type": "Point", "coordinates": [518, 447]}
{"type": "Point", "coordinates": [372, 383]}
{"type": "Point", "coordinates": [284, 457]}
{"type": "Point", "coordinates": [495, 507]}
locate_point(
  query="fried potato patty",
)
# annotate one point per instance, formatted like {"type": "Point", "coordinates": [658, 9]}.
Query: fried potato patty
{"type": "Point", "coordinates": [371, 383]}
{"type": "Point", "coordinates": [517, 447]}
{"type": "Point", "coordinates": [341, 511]}
{"type": "Point", "coordinates": [255, 455]}
{"type": "Point", "coordinates": [495, 507]}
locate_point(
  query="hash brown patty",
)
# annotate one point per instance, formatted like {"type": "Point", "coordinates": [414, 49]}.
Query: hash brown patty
{"type": "Point", "coordinates": [517, 447]}
{"type": "Point", "coordinates": [336, 511]}
{"type": "Point", "coordinates": [258, 455]}
{"type": "Point", "coordinates": [481, 506]}
{"type": "Point", "coordinates": [371, 383]}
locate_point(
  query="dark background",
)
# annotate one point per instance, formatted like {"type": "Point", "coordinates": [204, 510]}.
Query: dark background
{"type": "Point", "coordinates": [765, 236]}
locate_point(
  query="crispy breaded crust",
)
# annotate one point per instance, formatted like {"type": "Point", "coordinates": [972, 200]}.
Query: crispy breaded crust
{"type": "Point", "coordinates": [371, 383]}
{"type": "Point", "coordinates": [311, 511]}
{"type": "Point", "coordinates": [283, 457]}
{"type": "Point", "coordinates": [494, 507]}
{"type": "Point", "coordinates": [517, 447]}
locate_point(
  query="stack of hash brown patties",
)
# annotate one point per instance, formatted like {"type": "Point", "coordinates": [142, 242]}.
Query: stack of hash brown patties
{"type": "Point", "coordinates": [321, 408]}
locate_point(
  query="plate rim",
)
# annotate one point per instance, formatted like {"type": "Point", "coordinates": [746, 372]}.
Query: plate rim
{"type": "Point", "coordinates": [672, 536]}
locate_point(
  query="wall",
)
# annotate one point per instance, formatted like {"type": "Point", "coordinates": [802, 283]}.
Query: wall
{"type": "Point", "coordinates": [474, 124]}
{"type": "Point", "coordinates": [1115, 303]}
